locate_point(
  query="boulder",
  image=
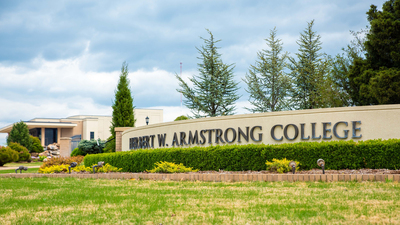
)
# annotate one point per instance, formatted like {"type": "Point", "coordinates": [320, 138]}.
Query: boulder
{"type": "Point", "coordinates": [53, 146]}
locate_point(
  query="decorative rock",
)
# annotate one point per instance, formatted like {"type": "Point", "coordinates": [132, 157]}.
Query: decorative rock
{"type": "Point", "coordinates": [45, 160]}
{"type": "Point", "coordinates": [43, 153]}
{"type": "Point", "coordinates": [53, 146]}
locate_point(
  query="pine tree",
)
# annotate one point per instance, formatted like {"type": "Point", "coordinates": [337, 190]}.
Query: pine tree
{"type": "Point", "coordinates": [20, 134]}
{"type": "Point", "coordinates": [311, 86]}
{"type": "Point", "coordinates": [376, 78]}
{"type": "Point", "coordinates": [339, 81]}
{"type": "Point", "coordinates": [214, 90]}
{"type": "Point", "coordinates": [267, 83]}
{"type": "Point", "coordinates": [123, 115]}
{"type": "Point", "coordinates": [340, 67]}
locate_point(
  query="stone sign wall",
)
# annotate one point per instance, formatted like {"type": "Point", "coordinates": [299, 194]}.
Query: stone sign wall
{"type": "Point", "coordinates": [345, 123]}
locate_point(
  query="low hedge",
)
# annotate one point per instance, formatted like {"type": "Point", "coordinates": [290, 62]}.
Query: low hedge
{"type": "Point", "coordinates": [373, 154]}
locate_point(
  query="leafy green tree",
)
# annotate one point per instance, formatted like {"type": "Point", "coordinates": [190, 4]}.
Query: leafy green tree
{"type": "Point", "coordinates": [123, 115]}
{"type": "Point", "coordinates": [339, 81]}
{"type": "Point", "coordinates": [20, 134]}
{"type": "Point", "coordinates": [340, 68]}
{"type": "Point", "coordinates": [311, 86]}
{"type": "Point", "coordinates": [267, 83]}
{"type": "Point", "coordinates": [375, 79]}
{"type": "Point", "coordinates": [214, 90]}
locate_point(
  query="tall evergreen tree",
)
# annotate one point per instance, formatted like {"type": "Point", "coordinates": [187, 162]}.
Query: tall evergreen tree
{"type": "Point", "coordinates": [311, 87]}
{"type": "Point", "coordinates": [214, 90]}
{"type": "Point", "coordinates": [267, 83]}
{"type": "Point", "coordinates": [340, 69]}
{"type": "Point", "coordinates": [376, 79]}
{"type": "Point", "coordinates": [123, 115]}
{"type": "Point", "coordinates": [20, 134]}
{"type": "Point", "coordinates": [340, 84]}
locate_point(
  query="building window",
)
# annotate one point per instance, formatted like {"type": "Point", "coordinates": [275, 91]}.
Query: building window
{"type": "Point", "coordinates": [91, 135]}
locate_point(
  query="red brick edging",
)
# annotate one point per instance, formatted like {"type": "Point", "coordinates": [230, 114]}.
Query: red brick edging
{"type": "Point", "coordinates": [222, 177]}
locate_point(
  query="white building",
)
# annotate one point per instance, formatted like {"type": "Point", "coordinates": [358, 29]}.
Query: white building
{"type": "Point", "coordinates": [69, 131]}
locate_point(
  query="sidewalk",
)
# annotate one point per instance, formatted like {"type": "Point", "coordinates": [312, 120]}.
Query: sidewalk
{"type": "Point", "coordinates": [15, 167]}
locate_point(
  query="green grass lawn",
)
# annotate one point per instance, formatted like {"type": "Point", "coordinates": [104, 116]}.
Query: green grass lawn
{"type": "Point", "coordinates": [100, 201]}
{"type": "Point", "coordinates": [23, 164]}
{"type": "Point", "coordinates": [30, 170]}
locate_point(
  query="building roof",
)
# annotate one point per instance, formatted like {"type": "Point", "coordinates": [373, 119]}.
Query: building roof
{"type": "Point", "coordinates": [40, 124]}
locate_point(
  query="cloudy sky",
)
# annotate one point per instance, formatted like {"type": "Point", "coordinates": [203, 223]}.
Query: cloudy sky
{"type": "Point", "coordinates": [63, 58]}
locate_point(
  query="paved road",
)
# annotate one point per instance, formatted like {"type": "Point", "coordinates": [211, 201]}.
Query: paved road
{"type": "Point", "coordinates": [15, 167]}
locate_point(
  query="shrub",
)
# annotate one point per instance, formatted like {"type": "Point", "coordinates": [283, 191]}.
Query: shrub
{"type": "Point", "coordinates": [168, 167]}
{"type": "Point", "coordinates": [23, 153]}
{"type": "Point", "coordinates": [80, 168]}
{"type": "Point", "coordinates": [91, 147]}
{"type": "Point", "coordinates": [77, 152]}
{"type": "Point", "coordinates": [110, 145]}
{"type": "Point", "coordinates": [181, 118]}
{"type": "Point", "coordinates": [20, 134]}
{"type": "Point", "coordinates": [7, 155]}
{"type": "Point", "coordinates": [280, 166]}
{"type": "Point", "coordinates": [62, 161]}
{"type": "Point", "coordinates": [54, 169]}
{"type": "Point", "coordinates": [107, 168]}
{"type": "Point", "coordinates": [41, 158]}
{"type": "Point", "coordinates": [373, 154]}
{"type": "Point", "coordinates": [36, 145]}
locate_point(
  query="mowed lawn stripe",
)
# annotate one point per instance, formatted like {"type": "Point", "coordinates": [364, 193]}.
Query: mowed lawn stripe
{"type": "Point", "coordinates": [89, 201]}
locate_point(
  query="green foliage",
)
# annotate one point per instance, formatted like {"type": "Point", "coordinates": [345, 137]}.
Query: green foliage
{"type": "Point", "coordinates": [91, 147]}
{"type": "Point", "coordinates": [373, 154]}
{"type": "Point", "coordinates": [54, 169]}
{"type": "Point", "coordinates": [107, 168]}
{"type": "Point", "coordinates": [23, 153]}
{"type": "Point", "coordinates": [110, 145]}
{"type": "Point", "coordinates": [214, 90]}
{"type": "Point", "coordinates": [168, 167]}
{"type": "Point", "coordinates": [20, 134]}
{"type": "Point", "coordinates": [181, 118]}
{"type": "Point", "coordinates": [312, 89]}
{"type": "Point", "coordinates": [82, 168]}
{"type": "Point", "coordinates": [36, 145]}
{"type": "Point", "coordinates": [376, 78]}
{"type": "Point", "coordinates": [41, 158]}
{"type": "Point", "coordinates": [267, 83]}
{"type": "Point", "coordinates": [340, 82]}
{"type": "Point", "coordinates": [62, 161]}
{"type": "Point", "coordinates": [123, 115]}
{"type": "Point", "coordinates": [385, 86]}
{"type": "Point", "coordinates": [280, 166]}
{"type": "Point", "coordinates": [77, 152]}
{"type": "Point", "coordinates": [7, 155]}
